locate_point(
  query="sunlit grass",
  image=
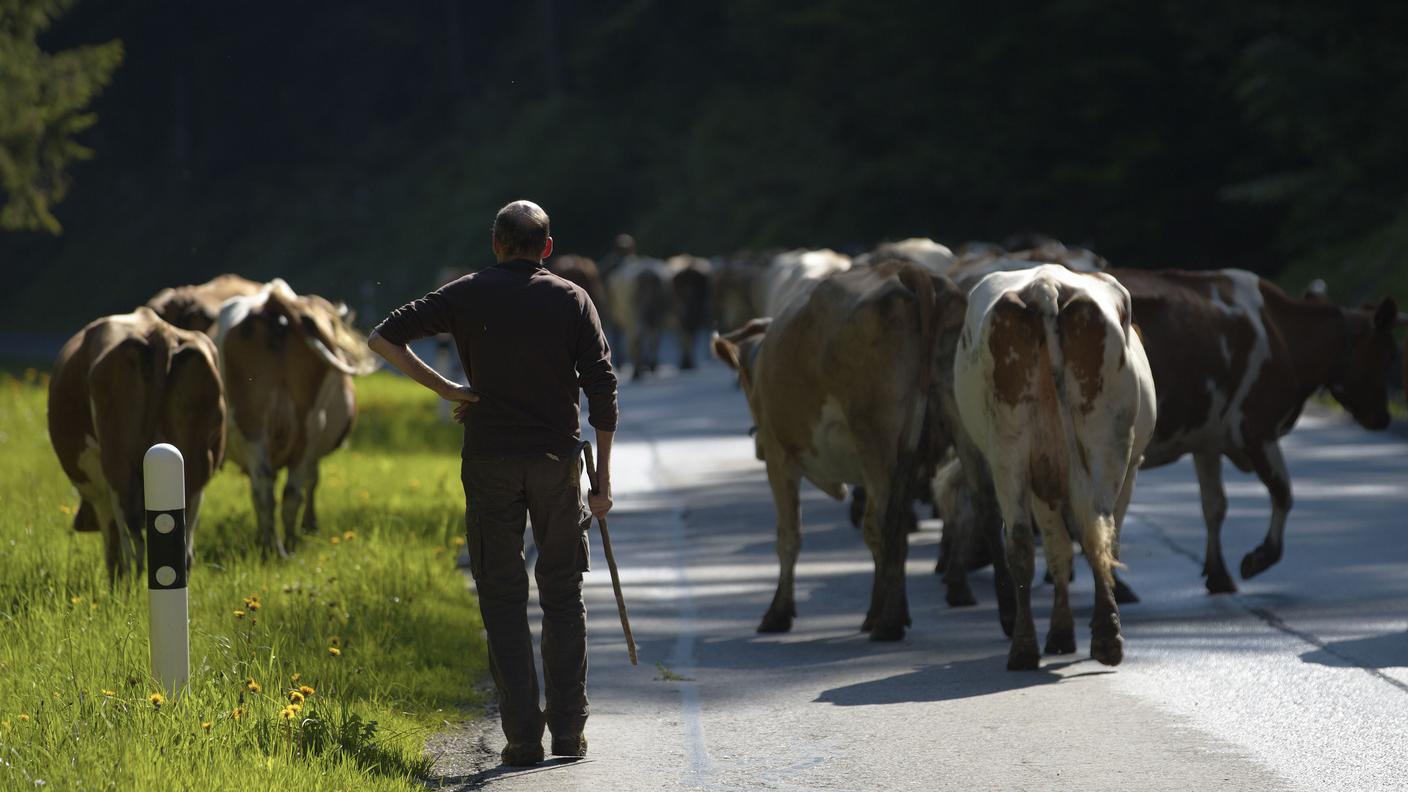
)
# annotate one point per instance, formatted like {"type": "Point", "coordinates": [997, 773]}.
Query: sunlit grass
{"type": "Point", "coordinates": [369, 623]}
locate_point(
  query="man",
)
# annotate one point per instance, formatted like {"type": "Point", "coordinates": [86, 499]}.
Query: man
{"type": "Point", "coordinates": [528, 340]}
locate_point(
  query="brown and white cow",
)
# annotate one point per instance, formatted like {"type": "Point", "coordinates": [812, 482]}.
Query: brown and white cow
{"type": "Point", "coordinates": [792, 274]}
{"type": "Point", "coordinates": [121, 385]}
{"type": "Point", "coordinates": [1055, 390]}
{"type": "Point", "coordinates": [197, 307]}
{"type": "Point", "coordinates": [288, 362]}
{"type": "Point", "coordinates": [927, 253]}
{"type": "Point", "coordinates": [1235, 359]}
{"type": "Point", "coordinates": [848, 384]}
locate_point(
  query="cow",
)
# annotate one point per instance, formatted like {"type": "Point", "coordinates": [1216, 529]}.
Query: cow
{"type": "Point", "coordinates": [581, 271]}
{"type": "Point", "coordinates": [850, 384]}
{"type": "Point", "coordinates": [792, 274]}
{"type": "Point", "coordinates": [288, 362]}
{"type": "Point", "coordinates": [197, 307]}
{"type": "Point", "coordinates": [971, 268]}
{"type": "Point", "coordinates": [1054, 388]}
{"type": "Point", "coordinates": [120, 385]}
{"type": "Point", "coordinates": [640, 294]}
{"type": "Point", "coordinates": [735, 277]}
{"type": "Point", "coordinates": [927, 253]}
{"type": "Point", "coordinates": [1235, 359]}
{"type": "Point", "coordinates": [692, 286]}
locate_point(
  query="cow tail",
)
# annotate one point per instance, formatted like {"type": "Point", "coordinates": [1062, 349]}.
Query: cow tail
{"type": "Point", "coordinates": [918, 281]}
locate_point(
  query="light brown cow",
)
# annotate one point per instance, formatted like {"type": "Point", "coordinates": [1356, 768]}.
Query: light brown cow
{"type": "Point", "coordinates": [1235, 359]}
{"type": "Point", "coordinates": [583, 272]}
{"type": "Point", "coordinates": [850, 383]}
{"type": "Point", "coordinates": [288, 362]}
{"type": "Point", "coordinates": [197, 307]}
{"type": "Point", "coordinates": [121, 385]}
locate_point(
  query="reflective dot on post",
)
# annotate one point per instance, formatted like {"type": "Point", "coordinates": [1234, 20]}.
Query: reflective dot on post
{"type": "Point", "coordinates": [164, 523]}
{"type": "Point", "coordinates": [166, 576]}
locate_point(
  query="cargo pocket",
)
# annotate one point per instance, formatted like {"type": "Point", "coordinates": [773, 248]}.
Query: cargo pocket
{"type": "Point", "coordinates": [474, 542]}
{"type": "Point", "coordinates": [584, 547]}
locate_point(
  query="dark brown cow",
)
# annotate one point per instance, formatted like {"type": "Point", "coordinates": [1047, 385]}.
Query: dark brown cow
{"type": "Point", "coordinates": [198, 307]}
{"type": "Point", "coordinates": [121, 385]}
{"type": "Point", "coordinates": [692, 284]}
{"type": "Point", "coordinates": [288, 362]}
{"type": "Point", "coordinates": [583, 272]}
{"type": "Point", "coordinates": [1234, 359]}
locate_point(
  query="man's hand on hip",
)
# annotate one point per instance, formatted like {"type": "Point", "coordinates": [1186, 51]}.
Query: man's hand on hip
{"type": "Point", "coordinates": [462, 396]}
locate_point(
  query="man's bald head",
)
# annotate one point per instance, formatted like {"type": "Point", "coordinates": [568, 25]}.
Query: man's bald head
{"type": "Point", "coordinates": [521, 231]}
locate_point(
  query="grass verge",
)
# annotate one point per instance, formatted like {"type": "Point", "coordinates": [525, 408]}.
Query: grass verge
{"type": "Point", "coordinates": [326, 671]}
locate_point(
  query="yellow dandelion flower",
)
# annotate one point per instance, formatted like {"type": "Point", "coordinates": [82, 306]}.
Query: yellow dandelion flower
{"type": "Point", "coordinates": [205, 726]}
{"type": "Point", "coordinates": [415, 484]}
{"type": "Point", "coordinates": [64, 508]}
{"type": "Point", "coordinates": [237, 713]}
{"type": "Point", "coordinates": [287, 713]}
{"type": "Point", "coordinates": [24, 718]}
{"type": "Point", "coordinates": [348, 536]}
{"type": "Point", "coordinates": [109, 693]}
{"type": "Point", "coordinates": [239, 614]}
{"type": "Point", "coordinates": [254, 606]}
{"type": "Point", "coordinates": [336, 540]}
{"type": "Point", "coordinates": [295, 696]}
{"type": "Point", "coordinates": [296, 677]}
{"type": "Point", "coordinates": [334, 651]}
{"type": "Point", "coordinates": [296, 707]}
{"type": "Point", "coordinates": [156, 699]}
{"type": "Point", "coordinates": [92, 606]}
{"type": "Point", "coordinates": [75, 600]}
{"type": "Point", "coordinates": [254, 687]}
{"type": "Point", "coordinates": [306, 690]}
{"type": "Point", "coordinates": [459, 541]}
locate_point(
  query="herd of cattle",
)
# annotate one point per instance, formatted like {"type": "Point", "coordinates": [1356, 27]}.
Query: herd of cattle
{"type": "Point", "coordinates": [1029, 387]}
{"type": "Point", "coordinates": [230, 368]}
{"type": "Point", "coordinates": [1020, 391]}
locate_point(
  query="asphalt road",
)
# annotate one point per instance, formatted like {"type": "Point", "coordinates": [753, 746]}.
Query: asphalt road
{"type": "Point", "coordinates": [1298, 682]}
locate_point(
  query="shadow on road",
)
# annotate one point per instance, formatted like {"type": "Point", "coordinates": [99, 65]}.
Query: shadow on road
{"type": "Point", "coordinates": [1377, 651]}
{"type": "Point", "coordinates": [483, 778]}
{"type": "Point", "coordinates": [952, 681]}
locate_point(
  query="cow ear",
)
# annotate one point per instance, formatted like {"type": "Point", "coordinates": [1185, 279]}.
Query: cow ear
{"type": "Point", "coordinates": [1386, 314]}
{"type": "Point", "coordinates": [725, 350]}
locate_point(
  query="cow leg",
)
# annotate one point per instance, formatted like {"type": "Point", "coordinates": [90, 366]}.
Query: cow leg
{"type": "Point", "coordinates": [294, 486]}
{"type": "Point", "coordinates": [310, 512]}
{"type": "Point", "coordinates": [261, 487]}
{"type": "Point", "coordinates": [885, 533]}
{"type": "Point", "coordinates": [1270, 467]}
{"type": "Point", "coordinates": [112, 551]}
{"type": "Point", "coordinates": [1021, 560]}
{"type": "Point", "coordinates": [1106, 641]}
{"type": "Point", "coordinates": [638, 367]}
{"type": "Point", "coordinates": [1056, 543]}
{"type": "Point", "coordinates": [1209, 469]}
{"type": "Point", "coordinates": [1124, 595]}
{"type": "Point", "coordinates": [687, 350]}
{"type": "Point", "coordinates": [784, 483]}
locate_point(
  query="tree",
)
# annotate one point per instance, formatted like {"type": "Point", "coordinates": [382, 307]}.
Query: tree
{"type": "Point", "coordinates": [44, 99]}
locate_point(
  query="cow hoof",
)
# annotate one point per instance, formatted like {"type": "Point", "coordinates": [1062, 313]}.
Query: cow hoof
{"type": "Point", "coordinates": [1259, 560]}
{"type": "Point", "coordinates": [960, 596]}
{"type": "Point", "coordinates": [1061, 643]}
{"type": "Point", "coordinates": [1124, 595]}
{"type": "Point", "coordinates": [1220, 583]}
{"type": "Point", "coordinates": [1024, 657]}
{"type": "Point", "coordinates": [1008, 624]}
{"type": "Point", "coordinates": [887, 632]}
{"type": "Point", "coordinates": [1107, 649]}
{"type": "Point", "coordinates": [775, 622]}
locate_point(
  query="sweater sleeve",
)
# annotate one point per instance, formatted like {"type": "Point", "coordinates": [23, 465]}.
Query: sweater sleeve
{"type": "Point", "coordinates": [594, 373]}
{"type": "Point", "coordinates": [427, 316]}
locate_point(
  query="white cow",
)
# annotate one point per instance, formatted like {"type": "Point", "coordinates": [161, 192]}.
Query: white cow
{"type": "Point", "coordinates": [1054, 388]}
{"type": "Point", "coordinates": [794, 273]}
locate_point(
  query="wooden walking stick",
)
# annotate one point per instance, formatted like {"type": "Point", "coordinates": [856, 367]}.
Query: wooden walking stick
{"type": "Point", "coordinates": [610, 559]}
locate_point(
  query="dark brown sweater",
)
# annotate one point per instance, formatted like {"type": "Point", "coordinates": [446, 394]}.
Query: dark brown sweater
{"type": "Point", "coordinates": [528, 340]}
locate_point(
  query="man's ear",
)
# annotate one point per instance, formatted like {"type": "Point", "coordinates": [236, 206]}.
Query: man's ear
{"type": "Point", "coordinates": [547, 249]}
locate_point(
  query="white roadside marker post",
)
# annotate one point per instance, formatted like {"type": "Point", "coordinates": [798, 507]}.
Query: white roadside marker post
{"type": "Point", "coordinates": [164, 484]}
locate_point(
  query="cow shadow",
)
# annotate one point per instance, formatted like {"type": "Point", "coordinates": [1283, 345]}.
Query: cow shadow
{"type": "Point", "coordinates": [962, 679]}
{"type": "Point", "coordinates": [1389, 650]}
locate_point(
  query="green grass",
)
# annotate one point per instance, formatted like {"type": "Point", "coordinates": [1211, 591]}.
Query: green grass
{"type": "Point", "coordinates": [378, 583]}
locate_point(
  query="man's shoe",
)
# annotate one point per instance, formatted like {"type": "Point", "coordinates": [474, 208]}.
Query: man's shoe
{"type": "Point", "coordinates": [522, 754]}
{"type": "Point", "coordinates": [575, 746]}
